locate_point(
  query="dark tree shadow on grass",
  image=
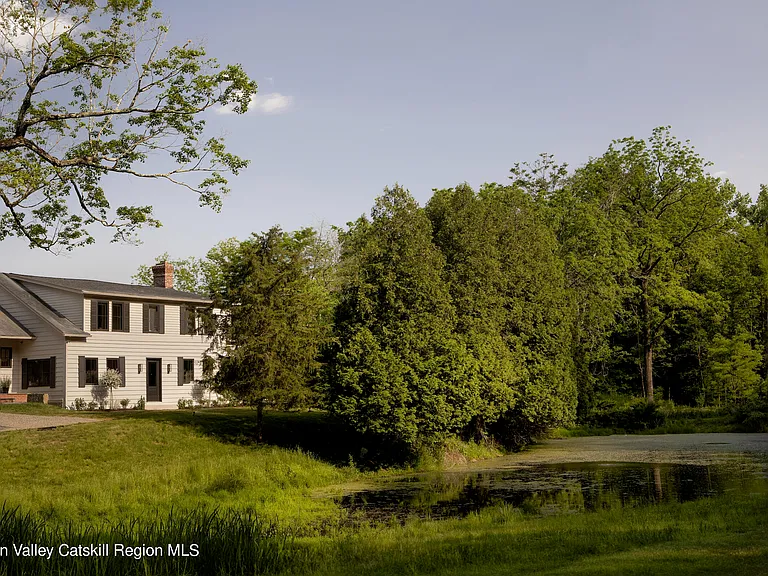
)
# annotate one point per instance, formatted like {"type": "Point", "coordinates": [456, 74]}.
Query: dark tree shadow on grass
{"type": "Point", "coordinates": [316, 432]}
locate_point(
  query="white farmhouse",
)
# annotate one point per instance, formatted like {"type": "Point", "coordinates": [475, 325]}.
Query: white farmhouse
{"type": "Point", "coordinates": [57, 335]}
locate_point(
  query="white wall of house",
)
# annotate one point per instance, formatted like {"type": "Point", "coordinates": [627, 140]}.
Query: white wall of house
{"type": "Point", "coordinates": [136, 346]}
{"type": "Point", "coordinates": [49, 342]}
{"type": "Point", "coordinates": [68, 304]}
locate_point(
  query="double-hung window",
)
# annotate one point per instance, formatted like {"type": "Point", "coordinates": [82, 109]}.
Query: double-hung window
{"type": "Point", "coordinates": [120, 318]}
{"type": "Point", "coordinates": [6, 357]}
{"type": "Point", "coordinates": [99, 315]}
{"type": "Point", "coordinates": [154, 318]}
{"type": "Point", "coordinates": [91, 370]}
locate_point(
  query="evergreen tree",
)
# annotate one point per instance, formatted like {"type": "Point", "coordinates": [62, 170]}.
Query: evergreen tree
{"type": "Point", "coordinates": [395, 370]}
{"type": "Point", "coordinates": [270, 322]}
{"type": "Point", "coordinates": [512, 309]}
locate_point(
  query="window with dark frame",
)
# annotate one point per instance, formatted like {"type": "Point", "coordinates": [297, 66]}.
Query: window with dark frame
{"type": "Point", "coordinates": [188, 323]}
{"type": "Point", "coordinates": [102, 316]}
{"type": "Point", "coordinates": [6, 357]}
{"type": "Point", "coordinates": [91, 370]}
{"type": "Point", "coordinates": [118, 310]}
{"type": "Point", "coordinates": [189, 371]}
{"type": "Point", "coordinates": [38, 373]}
{"type": "Point", "coordinates": [153, 318]}
{"type": "Point", "coordinates": [113, 364]}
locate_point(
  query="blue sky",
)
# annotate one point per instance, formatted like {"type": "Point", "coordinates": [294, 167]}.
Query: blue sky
{"type": "Point", "coordinates": [359, 95]}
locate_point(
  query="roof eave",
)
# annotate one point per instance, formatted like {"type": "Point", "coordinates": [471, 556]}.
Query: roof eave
{"type": "Point", "coordinates": [158, 297]}
{"type": "Point", "coordinates": [21, 278]}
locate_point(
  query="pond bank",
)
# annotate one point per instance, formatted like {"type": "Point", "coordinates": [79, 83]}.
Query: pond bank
{"type": "Point", "coordinates": [570, 475]}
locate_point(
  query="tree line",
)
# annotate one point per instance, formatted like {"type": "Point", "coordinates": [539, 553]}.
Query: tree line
{"type": "Point", "coordinates": [507, 310]}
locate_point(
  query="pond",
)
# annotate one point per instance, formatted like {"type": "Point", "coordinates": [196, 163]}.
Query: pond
{"type": "Point", "coordinates": [550, 488]}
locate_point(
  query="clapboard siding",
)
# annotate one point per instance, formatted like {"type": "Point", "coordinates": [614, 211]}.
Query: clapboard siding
{"type": "Point", "coordinates": [48, 342]}
{"type": "Point", "coordinates": [68, 304]}
{"type": "Point", "coordinates": [136, 347]}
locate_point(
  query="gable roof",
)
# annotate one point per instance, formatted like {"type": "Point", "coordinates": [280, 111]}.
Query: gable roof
{"type": "Point", "coordinates": [12, 328]}
{"type": "Point", "coordinates": [113, 289]}
{"type": "Point", "coordinates": [51, 316]}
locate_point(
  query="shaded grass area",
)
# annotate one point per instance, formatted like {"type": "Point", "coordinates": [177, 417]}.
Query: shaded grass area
{"type": "Point", "coordinates": [715, 536]}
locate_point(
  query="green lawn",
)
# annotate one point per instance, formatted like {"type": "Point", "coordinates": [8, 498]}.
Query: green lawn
{"type": "Point", "coordinates": [137, 463]}
{"type": "Point", "coordinates": [134, 464]}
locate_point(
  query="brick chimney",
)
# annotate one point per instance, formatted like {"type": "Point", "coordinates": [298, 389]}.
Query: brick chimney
{"type": "Point", "coordinates": [163, 274]}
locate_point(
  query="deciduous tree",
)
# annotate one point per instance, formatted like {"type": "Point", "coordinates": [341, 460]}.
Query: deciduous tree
{"type": "Point", "coordinates": [88, 90]}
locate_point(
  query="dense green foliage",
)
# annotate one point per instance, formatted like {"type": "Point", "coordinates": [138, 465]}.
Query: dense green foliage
{"type": "Point", "coordinates": [395, 369]}
{"type": "Point", "coordinates": [88, 91]}
{"type": "Point", "coordinates": [506, 311]}
{"type": "Point", "coordinates": [266, 343]}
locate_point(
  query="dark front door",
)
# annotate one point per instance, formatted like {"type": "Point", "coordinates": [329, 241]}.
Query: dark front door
{"type": "Point", "coordinates": [154, 380]}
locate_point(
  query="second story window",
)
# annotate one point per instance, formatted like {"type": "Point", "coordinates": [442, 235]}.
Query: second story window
{"type": "Point", "coordinates": [154, 318]}
{"type": "Point", "coordinates": [187, 319]}
{"type": "Point", "coordinates": [120, 318]}
{"type": "Point", "coordinates": [100, 315]}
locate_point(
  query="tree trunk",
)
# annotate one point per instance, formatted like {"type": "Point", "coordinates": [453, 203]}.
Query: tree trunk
{"type": "Point", "coordinates": [649, 372]}
{"type": "Point", "coordinates": [259, 420]}
{"type": "Point", "coordinates": [647, 344]}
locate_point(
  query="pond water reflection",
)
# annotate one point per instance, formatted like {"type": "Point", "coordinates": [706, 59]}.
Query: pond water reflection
{"type": "Point", "coordinates": [548, 489]}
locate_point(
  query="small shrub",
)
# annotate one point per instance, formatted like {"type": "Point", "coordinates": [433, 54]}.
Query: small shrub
{"type": "Point", "coordinates": [92, 405]}
{"type": "Point", "coordinates": [111, 380]}
{"type": "Point", "coordinates": [141, 404]}
{"type": "Point", "coordinates": [753, 418]}
{"type": "Point", "coordinates": [124, 403]}
{"type": "Point", "coordinates": [184, 404]}
{"type": "Point", "coordinates": [5, 385]}
{"type": "Point", "coordinates": [78, 404]}
{"type": "Point", "coordinates": [631, 415]}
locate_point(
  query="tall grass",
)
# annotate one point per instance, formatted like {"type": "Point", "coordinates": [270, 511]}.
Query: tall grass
{"type": "Point", "coordinates": [227, 543]}
{"type": "Point", "coordinates": [725, 535]}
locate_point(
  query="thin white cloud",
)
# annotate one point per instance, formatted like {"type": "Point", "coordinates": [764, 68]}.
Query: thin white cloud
{"type": "Point", "coordinates": [720, 174]}
{"type": "Point", "coordinates": [268, 104]}
{"type": "Point", "coordinates": [21, 38]}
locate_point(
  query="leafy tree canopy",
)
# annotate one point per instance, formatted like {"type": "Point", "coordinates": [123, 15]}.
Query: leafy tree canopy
{"type": "Point", "coordinates": [87, 90]}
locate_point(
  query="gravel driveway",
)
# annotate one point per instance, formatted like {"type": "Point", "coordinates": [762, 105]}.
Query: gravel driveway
{"type": "Point", "coordinates": [28, 421]}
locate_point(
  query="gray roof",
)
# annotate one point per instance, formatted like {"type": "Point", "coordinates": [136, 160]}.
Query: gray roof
{"type": "Point", "coordinates": [12, 328]}
{"type": "Point", "coordinates": [99, 288]}
{"type": "Point", "coordinates": [59, 322]}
